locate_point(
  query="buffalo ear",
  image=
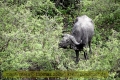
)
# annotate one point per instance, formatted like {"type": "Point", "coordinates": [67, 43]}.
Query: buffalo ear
{"type": "Point", "coordinates": [66, 35]}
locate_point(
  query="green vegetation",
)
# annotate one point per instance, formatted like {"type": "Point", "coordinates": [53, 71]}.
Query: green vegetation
{"type": "Point", "coordinates": [30, 31]}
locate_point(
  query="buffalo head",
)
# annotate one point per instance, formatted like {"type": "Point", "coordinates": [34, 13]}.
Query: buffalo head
{"type": "Point", "coordinates": [67, 41]}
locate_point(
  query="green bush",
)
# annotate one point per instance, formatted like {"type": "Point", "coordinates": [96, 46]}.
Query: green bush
{"type": "Point", "coordinates": [30, 33]}
{"type": "Point", "coordinates": [30, 39]}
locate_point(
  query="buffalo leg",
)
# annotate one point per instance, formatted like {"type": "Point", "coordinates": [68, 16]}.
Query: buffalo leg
{"type": "Point", "coordinates": [85, 55]}
{"type": "Point", "coordinates": [77, 56]}
{"type": "Point", "coordinates": [89, 43]}
{"type": "Point", "coordinates": [85, 52]}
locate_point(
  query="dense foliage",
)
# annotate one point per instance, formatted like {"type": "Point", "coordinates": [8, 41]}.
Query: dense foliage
{"type": "Point", "coordinates": [30, 31]}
